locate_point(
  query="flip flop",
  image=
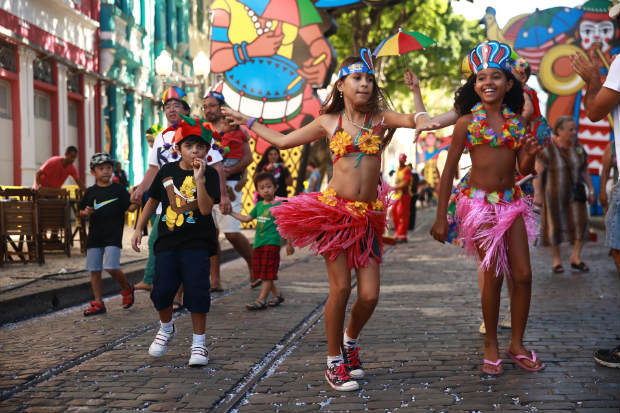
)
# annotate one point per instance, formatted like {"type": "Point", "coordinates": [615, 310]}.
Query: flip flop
{"type": "Point", "coordinates": [216, 290]}
{"type": "Point", "coordinates": [256, 283]}
{"type": "Point", "coordinates": [492, 363]}
{"type": "Point", "coordinates": [581, 266]}
{"type": "Point", "coordinates": [177, 306]}
{"type": "Point", "coordinates": [518, 358]}
{"type": "Point", "coordinates": [558, 269]}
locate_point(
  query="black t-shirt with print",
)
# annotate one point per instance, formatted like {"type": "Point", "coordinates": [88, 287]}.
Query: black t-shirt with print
{"type": "Point", "coordinates": [105, 224]}
{"type": "Point", "coordinates": [181, 225]}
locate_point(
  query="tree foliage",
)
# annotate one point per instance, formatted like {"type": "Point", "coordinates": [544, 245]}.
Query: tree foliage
{"type": "Point", "coordinates": [438, 67]}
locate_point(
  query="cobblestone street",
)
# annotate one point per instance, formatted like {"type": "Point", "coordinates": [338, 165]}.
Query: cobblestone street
{"type": "Point", "coordinates": [421, 350]}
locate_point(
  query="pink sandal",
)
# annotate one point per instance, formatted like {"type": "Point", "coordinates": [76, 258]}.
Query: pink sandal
{"type": "Point", "coordinates": [518, 358]}
{"type": "Point", "coordinates": [492, 363]}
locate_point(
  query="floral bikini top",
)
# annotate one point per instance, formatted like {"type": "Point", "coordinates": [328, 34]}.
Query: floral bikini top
{"type": "Point", "coordinates": [479, 131]}
{"type": "Point", "coordinates": [366, 143]}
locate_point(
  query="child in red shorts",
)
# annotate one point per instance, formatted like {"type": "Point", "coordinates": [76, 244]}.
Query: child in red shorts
{"type": "Point", "coordinates": [267, 242]}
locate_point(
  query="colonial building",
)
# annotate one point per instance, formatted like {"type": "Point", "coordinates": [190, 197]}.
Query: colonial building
{"type": "Point", "coordinates": [49, 84]}
{"type": "Point", "coordinates": [133, 35]}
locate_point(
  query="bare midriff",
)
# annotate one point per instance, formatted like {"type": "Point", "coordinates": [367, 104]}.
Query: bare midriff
{"type": "Point", "coordinates": [357, 183]}
{"type": "Point", "coordinates": [494, 170]}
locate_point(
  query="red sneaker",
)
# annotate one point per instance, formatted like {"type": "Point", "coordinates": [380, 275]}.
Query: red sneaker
{"type": "Point", "coordinates": [128, 297]}
{"type": "Point", "coordinates": [339, 379]}
{"type": "Point", "coordinates": [352, 362]}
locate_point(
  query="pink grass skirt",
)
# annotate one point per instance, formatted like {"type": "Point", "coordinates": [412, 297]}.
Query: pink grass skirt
{"type": "Point", "coordinates": [331, 225]}
{"type": "Point", "coordinates": [483, 220]}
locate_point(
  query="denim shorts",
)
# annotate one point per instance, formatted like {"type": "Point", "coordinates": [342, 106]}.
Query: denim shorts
{"type": "Point", "coordinates": [109, 256]}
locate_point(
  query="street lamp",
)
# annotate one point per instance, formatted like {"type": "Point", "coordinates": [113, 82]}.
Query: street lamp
{"type": "Point", "coordinates": [202, 64]}
{"type": "Point", "coordinates": [163, 64]}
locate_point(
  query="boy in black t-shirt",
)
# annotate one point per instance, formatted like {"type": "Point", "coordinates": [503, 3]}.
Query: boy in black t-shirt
{"type": "Point", "coordinates": [187, 190]}
{"type": "Point", "coordinates": [105, 203]}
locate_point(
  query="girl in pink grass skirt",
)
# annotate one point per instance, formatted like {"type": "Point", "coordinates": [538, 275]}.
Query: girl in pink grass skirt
{"type": "Point", "coordinates": [492, 216]}
{"type": "Point", "coordinates": [345, 222]}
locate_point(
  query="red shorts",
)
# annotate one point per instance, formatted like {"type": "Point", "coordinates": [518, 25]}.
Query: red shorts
{"type": "Point", "coordinates": [265, 262]}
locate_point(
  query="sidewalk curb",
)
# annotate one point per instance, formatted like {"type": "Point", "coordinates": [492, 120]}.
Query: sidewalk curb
{"type": "Point", "coordinates": [67, 290]}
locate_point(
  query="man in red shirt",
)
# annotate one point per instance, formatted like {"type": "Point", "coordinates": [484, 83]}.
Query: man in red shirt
{"type": "Point", "coordinates": [56, 169]}
{"type": "Point", "coordinates": [402, 198]}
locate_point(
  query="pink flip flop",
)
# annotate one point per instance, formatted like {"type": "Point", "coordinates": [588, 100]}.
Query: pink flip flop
{"type": "Point", "coordinates": [492, 363]}
{"type": "Point", "coordinates": [518, 358]}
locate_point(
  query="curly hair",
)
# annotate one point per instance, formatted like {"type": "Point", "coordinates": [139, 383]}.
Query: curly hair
{"type": "Point", "coordinates": [466, 97]}
{"type": "Point", "coordinates": [335, 102]}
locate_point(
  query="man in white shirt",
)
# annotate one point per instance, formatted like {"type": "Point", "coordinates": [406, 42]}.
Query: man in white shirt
{"type": "Point", "coordinates": [162, 153]}
{"type": "Point", "coordinates": [600, 100]}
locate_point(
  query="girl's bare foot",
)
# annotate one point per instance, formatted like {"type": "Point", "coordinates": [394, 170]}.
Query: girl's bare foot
{"type": "Point", "coordinates": [529, 360]}
{"type": "Point", "coordinates": [491, 356]}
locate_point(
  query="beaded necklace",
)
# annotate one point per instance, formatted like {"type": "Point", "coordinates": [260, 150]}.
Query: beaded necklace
{"type": "Point", "coordinates": [480, 132]}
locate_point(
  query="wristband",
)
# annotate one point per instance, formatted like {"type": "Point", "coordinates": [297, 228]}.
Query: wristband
{"type": "Point", "coordinates": [415, 118]}
{"type": "Point", "coordinates": [250, 123]}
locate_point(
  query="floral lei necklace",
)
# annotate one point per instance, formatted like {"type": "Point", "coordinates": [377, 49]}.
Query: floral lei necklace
{"type": "Point", "coordinates": [480, 132]}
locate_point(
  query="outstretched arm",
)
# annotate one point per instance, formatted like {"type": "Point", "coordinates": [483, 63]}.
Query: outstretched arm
{"type": "Point", "coordinates": [306, 134]}
{"type": "Point", "coordinates": [420, 117]}
{"type": "Point", "coordinates": [440, 228]}
{"type": "Point", "coordinates": [241, 217]}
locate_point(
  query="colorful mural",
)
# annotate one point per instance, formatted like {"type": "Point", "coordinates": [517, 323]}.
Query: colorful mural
{"type": "Point", "coordinates": [546, 39]}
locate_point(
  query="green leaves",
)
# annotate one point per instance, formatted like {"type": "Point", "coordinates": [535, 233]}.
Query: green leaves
{"type": "Point", "coordinates": [438, 67]}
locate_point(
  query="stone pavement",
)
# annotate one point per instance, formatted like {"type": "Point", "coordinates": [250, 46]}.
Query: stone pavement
{"type": "Point", "coordinates": [421, 349]}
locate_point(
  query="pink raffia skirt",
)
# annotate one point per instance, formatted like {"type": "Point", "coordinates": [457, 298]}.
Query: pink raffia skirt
{"type": "Point", "coordinates": [332, 225]}
{"type": "Point", "coordinates": [482, 219]}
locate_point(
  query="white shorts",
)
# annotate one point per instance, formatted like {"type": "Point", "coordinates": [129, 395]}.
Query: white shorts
{"type": "Point", "coordinates": [226, 223]}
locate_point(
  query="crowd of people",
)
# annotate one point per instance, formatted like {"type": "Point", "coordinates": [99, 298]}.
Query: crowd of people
{"type": "Point", "coordinates": [196, 163]}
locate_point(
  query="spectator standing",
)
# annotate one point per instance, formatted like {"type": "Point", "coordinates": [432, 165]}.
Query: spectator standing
{"type": "Point", "coordinates": [273, 163]}
{"type": "Point", "coordinates": [120, 177]}
{"type": "Point", "coordinates": [238, 157]}
{"type": "Point", "coordinates": [415, 181]}
{"type": "Point", "coordinates": [599, 101]}
{"type": "Point", "coordinates": [54, 172]}
{"type": "Point", "coordinates": [562, 170]}
{"type": "Point", "coordinates": [314, 180]}
{"type": "Point", "coordinates": [402, 199]}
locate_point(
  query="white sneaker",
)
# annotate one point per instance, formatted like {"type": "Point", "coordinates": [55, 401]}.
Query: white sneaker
{"type": "Point", "coordinates": [199, 356]}
{"type": "Point", "coordinates": [160, 343]}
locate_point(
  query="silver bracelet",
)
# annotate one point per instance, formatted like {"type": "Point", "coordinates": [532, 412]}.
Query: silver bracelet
{"type": "Point", "coordinates": [415, 118]}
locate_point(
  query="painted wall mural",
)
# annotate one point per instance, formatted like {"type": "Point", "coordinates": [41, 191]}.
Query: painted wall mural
{"type": "Point", "coordinates": [546, 39]}
{"type": "Point", "coordinates": [271, 55]}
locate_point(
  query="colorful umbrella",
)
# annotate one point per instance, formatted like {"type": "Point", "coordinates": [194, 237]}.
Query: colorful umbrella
{"type": "Point", "coordinates": [544, 25]}
{"type": "Point", "coordinates": [402, 42]}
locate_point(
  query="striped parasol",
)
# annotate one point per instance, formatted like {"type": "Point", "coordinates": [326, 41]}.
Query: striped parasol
{"type": "Point", "coordinates": [402, 42]}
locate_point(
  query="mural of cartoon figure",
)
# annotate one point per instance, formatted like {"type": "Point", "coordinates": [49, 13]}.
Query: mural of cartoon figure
{"type": "Point", "coordinates": [271, 52]}
{"type": "Point", "coordinates": [546, 39]}
{"type": "Point", "coordinates": [430, 145]}
{"type": "Point", "coordinates": [182, 202]}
